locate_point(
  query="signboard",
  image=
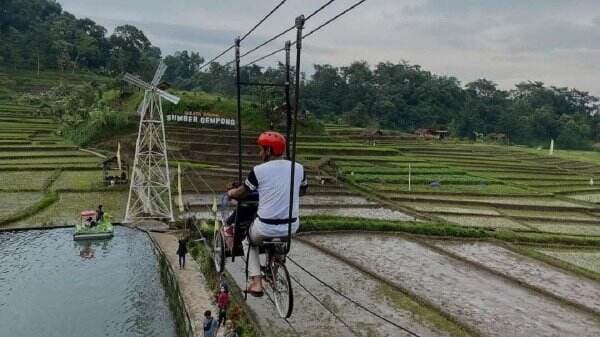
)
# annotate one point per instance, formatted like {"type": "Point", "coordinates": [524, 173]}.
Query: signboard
{"type": "Point", "coordinates": [201, 119]}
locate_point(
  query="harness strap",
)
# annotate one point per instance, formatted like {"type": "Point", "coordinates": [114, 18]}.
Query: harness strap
{"type": "Point", "coordinates": [276, 221]}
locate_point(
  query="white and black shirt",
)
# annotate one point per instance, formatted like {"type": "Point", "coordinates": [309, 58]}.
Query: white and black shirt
{"type": "Point", "coordinates": [272, 182]}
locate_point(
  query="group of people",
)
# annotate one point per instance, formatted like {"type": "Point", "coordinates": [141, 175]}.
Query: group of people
{"type": "Point", "coordinates": [212, 325]}
{"type": "Point", "coordinates": [271, 181]}
{"type": "Point", "coordinates": [91, 222]}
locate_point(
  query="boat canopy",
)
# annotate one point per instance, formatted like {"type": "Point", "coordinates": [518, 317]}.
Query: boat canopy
{"type": "Point", "coordinates": [88, 213]}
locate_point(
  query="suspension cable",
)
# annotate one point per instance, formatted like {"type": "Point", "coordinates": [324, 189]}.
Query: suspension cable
{"type": "Point", "coordinates": [262, 20]}
{"type": "Point", "coordinates": [333, 19]}
{"type": "Point", "coordinates": [318, 10]}
{"type": "Point", "coordinates": [268, 41]}
{"type": "Point", "coordinates": [305, 35]}
{"type": "Point", "coordinates": [179, 157]}
{"type": "Point", "coordinates": [358, 304]}
{"type": "Point", "coordinates": [264, 57]}
{"type": "Point", "coordinates": [244, 36]}
{"type": "Point", "coordinates": [285, 31]}
{"type": "Point", "coordinates": [324, 306]}
{"type": "Point", "coordinates": [216, 57]}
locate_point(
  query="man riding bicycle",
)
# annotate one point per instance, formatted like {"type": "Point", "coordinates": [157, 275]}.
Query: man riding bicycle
{"type": "Point", "coordinates": [271, 180]}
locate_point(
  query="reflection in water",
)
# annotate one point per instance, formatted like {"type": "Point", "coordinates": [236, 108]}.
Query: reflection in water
{"type": "Point", "coordinates": [52, 286]}
{"type": "Point", "coordinates": [87, 252]}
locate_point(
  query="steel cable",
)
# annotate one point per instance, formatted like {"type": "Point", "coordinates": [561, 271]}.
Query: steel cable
{"type": "Point", "coordinates": [262, 20]}
{"type": "Point", "coordinates": [268, 41]}
{"type": "Point", "coordinates": [358, 304]}
{"type": "Point", "coordinates": [324, 306]}
{"type": "Point", "coordinates": [318, 10]}
{"type": "Point", "coordinates": [264, 57]}
{"type": "Point", "coordinates": [332, 19]}
{"type": "Point", "coordinates": [244, 36]}
{"type": "Point", "coordinates": [305, 35]}
{"type": "Point", "coordinates": [216, 57]}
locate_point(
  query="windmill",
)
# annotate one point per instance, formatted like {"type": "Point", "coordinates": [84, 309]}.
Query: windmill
{"type": "Point", "coordinates": [150, 188]}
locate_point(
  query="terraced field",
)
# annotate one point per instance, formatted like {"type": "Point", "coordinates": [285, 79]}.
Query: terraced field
{"type": "Point", "coordinates": [492, 291]}
{"type": "Point", "coordinates": [399, 184]}
{"type": "Point", "coordinates": [475, 185]}
{"type": "Point", "coordinates": [38, 170]}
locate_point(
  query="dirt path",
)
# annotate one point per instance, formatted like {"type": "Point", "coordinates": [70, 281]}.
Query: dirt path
{"type": "Point", "coordinates": [565, 285]}
{"type": "Point", "coordinates": [478, 298]}
{"type": "Point", "coordinates": [191, 281]}
{"type": "Point", "coordinates": [310, 318]}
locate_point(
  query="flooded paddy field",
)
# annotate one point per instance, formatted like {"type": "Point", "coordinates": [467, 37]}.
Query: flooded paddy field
{"type": "Point", "coordinates": [587, 259]}
{"type": "Point", "coordinates": [566, 228]}
{"type": "Point", "coordinates": [344, 206]}
{"type": "Point", "coordinates": [52, 286]}
{"type": "Point", "coordinates": [480, 299]}
{"type": "Point", "coordinates": [573, 288]}
{"type": "Point", "coordinates": [311, 317]}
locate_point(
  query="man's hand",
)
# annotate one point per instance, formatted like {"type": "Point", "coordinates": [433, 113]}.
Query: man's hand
{"type": "Point", "coordinates": [237, 193]}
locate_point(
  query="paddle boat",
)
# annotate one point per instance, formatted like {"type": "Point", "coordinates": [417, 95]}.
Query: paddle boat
{"type": "Point", "coordinates": [90, 229]}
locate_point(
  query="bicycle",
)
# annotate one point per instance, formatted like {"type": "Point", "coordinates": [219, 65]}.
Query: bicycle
{"type": "Point", "coordinates": [227, 242]}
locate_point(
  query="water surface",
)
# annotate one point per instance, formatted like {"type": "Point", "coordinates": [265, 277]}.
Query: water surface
{"type": "Point", "coordinates": [52, 286]}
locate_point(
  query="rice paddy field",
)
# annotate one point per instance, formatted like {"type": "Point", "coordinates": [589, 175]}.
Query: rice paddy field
{"type": "Point", "coordinates": [474, 185]}
{"type": "Point", "coordinates": [522, 228]}
{"type": "Point", "coordinates": [44, 180]}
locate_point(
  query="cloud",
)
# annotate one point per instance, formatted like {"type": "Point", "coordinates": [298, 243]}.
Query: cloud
{"type": "Point", "coordinates": [506, 41]}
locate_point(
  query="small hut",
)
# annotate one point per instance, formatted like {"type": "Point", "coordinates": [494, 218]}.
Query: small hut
{"type": "Point", "coordinates": [113, 172]}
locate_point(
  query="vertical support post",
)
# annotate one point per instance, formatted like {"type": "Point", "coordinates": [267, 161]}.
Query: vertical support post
{"type": "Point", "coordinates": [167, 172]}
{"type": "Point", "coordinates": [239, 107]}
{"type": "Point", "coordinates": [299, 27]}
{"type": "Point", "coordinates": [288, 105]}
{"type": "Point", "coordinates": [409, 176]}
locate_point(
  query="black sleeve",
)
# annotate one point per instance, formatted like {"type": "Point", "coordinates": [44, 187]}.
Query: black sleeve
{"type": "Point", "coordinates": [251, 182]}
{"type": "Point", "coordinates": [303, 184]}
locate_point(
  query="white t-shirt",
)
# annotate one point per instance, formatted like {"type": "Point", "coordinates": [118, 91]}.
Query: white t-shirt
{"type": "Point", "coordinates": [272, 182]}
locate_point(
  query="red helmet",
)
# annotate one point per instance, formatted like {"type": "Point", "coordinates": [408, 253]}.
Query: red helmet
{"type": "Point", "coordinates": [274, 141]}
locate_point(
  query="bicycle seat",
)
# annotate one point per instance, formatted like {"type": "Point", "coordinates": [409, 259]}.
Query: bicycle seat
{"type": "Point", "coordinates": [276, 240]}
{"type": "Point", "coordinates": [276, 246]}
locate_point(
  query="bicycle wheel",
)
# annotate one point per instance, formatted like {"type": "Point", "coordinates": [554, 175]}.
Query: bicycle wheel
{"type": "Point", "coordinates": [281, 286]}
{"type": "Point", "coordinates": [219, 252]}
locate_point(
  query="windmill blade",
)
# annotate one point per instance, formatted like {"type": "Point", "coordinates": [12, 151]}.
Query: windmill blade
{"type": "Point", "coordinates": [132, 79]}
{"type": "Point", "coordinates": [160, 71]}
{"type": "Point", "coordinates": [142, 107]}
{"type": "Point", "coordinates": [171, 98]}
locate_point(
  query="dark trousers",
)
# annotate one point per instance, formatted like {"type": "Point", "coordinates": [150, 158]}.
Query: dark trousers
{"type": "Point", "coordinates": [222, 316]}
{"type": "Point", "coordinates": [182, 261]}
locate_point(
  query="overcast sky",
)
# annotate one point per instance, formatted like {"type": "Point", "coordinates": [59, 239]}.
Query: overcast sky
{"type": "Point", "coordinates": [507, 41]}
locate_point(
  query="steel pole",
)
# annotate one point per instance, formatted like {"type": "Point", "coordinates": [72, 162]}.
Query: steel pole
{"type": "Point", "coordinates": [299, 27]}
{"type": "Point", "coordinates": [288, 105]}
{"type": "Point", "coordinates": [239, 107]}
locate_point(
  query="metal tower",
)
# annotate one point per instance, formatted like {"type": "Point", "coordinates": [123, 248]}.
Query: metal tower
{"type": "Point", "coordinates": [150, 188]}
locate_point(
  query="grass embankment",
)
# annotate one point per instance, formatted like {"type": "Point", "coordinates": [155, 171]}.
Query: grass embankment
{"type": "Point", "coordinates": [237, 311]}
{"type": "Point", "coordinates": [439, 229]}
{"type": "Point", "coordinates": [421, 312]}
{"type": "Point", "coordinates": [46, 201]}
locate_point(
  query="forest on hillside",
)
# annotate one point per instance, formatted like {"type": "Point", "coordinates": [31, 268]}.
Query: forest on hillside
{"type": "Point", "coordinates": [39, 34]}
